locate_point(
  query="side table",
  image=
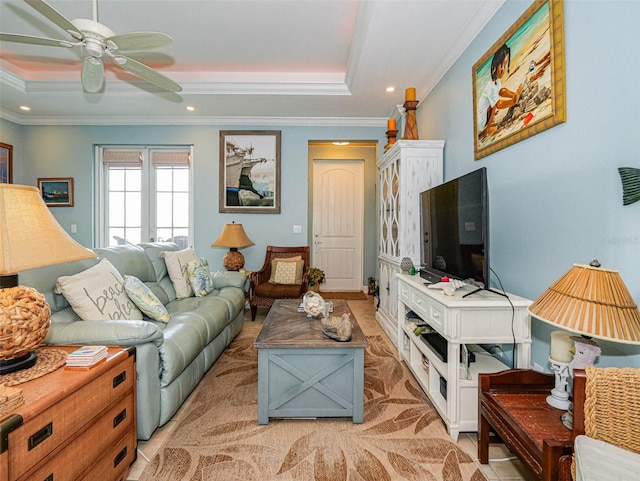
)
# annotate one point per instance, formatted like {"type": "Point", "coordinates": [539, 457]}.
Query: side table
{"type": "Point", "coordinates": [74, 424]}
{"type": "Point", "coordinates": [513, 409]}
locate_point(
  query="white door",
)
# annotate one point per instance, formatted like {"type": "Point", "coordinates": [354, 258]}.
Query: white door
{"type": "Point", "coordinates": [338, 219]}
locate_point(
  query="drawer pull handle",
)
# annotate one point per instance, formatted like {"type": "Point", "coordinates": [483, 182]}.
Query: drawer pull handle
{"type": "Point", "coordinates": [120, 456]}
{"type": "Point", "coordinates": [121, 416]}
{"type": "Point", "coordinates": [119, 379]}
{"type": "Point", "coordinates": [40, 436]}
{"type": "Point", "coordinates": [49, 478]}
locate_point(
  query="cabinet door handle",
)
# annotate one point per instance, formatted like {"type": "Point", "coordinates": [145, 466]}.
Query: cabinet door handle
{"type": "Point", "coordinates": [121, 416]}
{"type": "Point", "coordinates": [119, 379]}
{"type": "Point", "coordinates": [40, 435]}
{"type": "Point", "coordinates": [120, 456]}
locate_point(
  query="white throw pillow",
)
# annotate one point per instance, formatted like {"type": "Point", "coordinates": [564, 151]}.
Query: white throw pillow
{"type": "Point", "coordinates": [98, 293]}
{"type": "Point", "coordinates": [176, 262]}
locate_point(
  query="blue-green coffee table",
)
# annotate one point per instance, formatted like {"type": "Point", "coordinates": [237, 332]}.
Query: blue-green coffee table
{"type": "Point", "coordinates": [302, 373]}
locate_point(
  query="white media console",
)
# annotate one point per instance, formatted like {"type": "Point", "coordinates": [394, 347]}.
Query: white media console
{"type": "Point", "coordinates": [484, 317]}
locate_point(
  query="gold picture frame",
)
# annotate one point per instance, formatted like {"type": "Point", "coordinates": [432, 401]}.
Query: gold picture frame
{"type": "Point", "coordinates": [519, 83]}
{"type": "Point", "coordinates": [6, 163]}
{"type": "Point", "coordinates": [56, 191]}
{"type": "Point", "coordinates": [249, 171]}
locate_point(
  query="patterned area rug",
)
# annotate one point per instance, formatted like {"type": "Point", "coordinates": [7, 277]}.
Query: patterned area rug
{"type": "Point", "coordinates": [218, 437]}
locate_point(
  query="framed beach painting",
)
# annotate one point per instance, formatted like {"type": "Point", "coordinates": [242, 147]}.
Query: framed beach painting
{"type": "Point", "coordinates": [250, 171]}
{"type": "Point", "coordinates": [56, 191]}
{"type": "Point", "coordinates": [6, 163]}
{"type": "Point", "coordinates": [519, 83]}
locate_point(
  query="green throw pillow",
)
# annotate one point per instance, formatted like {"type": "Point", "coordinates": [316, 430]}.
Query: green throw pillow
{"type": "Point", "coordinates": [200, 277]}
{"type": "Point", "coordinates": [146, 300]}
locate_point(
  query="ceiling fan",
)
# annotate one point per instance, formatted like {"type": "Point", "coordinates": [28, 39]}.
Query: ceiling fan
{"type": "Point", "coordinates": [97, 40]}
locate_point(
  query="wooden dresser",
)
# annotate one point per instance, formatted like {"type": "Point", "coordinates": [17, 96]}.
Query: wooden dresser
{"type": "Point", "coordinates": [74, 424]}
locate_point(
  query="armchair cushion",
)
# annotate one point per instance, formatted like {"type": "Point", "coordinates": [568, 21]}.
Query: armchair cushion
{"type": "Point", "coordinates": [286, 271]}
{"type": "Point", "coordinates": [595, 460]}
{"type": "Point", "coordinates": [278, 291]}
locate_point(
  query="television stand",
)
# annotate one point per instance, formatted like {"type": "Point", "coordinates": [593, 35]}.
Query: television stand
{"type": "Point", "coordinates": [451, 386]}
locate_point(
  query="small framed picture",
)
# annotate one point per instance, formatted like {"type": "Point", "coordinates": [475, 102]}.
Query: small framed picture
{"type": "Point", "coordinates": [56, 191]}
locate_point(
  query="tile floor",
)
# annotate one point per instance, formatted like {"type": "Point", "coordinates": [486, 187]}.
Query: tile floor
{"type": "Point", "coordinates": [503, 466]}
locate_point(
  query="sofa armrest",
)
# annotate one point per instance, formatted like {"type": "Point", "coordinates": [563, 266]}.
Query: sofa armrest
{"type": "Point", "coordinates": [111, 332]}
{"type": "Point", "coordinates": [229, 279]}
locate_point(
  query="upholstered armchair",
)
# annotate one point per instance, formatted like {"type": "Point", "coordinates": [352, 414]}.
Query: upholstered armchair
{"type": "Point", "coordinates": [262, 292]}
{"type": "Point", "coordinates": [606, 420]}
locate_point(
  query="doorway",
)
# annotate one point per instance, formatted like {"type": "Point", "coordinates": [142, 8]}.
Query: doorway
{"type": "Point", "coordinates": [338, 222]}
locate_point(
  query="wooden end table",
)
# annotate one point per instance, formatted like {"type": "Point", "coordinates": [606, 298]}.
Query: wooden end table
{"type": "Point", "coordinates": [302, 373]}
{"type": "Point", "coordinates": [513, 408]}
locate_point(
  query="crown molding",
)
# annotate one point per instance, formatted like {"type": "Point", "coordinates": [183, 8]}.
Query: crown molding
{"type": "Point", "coordinates": [224, 121]}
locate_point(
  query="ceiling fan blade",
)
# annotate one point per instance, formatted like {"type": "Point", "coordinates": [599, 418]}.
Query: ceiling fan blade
{"type": "Point", "coordinates": [13, 37]}
{"type": "Point", "coordinates": [92, 74]}
{"type": "Point", "coordinates": [56, 17]}
{"type": "Point", "coordinates": [146, 73]}
{"type": "Point", "coordinates": [139, 40]}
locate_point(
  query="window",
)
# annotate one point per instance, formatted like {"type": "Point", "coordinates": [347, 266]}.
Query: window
{"type": "Point", "coordinates": [144, 194]}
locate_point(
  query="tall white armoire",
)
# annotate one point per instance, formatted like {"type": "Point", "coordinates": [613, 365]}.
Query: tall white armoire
{"type": "Point", "coordinates": [408, 168]}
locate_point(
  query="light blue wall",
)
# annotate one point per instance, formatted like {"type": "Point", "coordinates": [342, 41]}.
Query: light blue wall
{"type": "Point", "coordinates": [556, 198]}
{"type": "Point", "coordinates": [68, 151]}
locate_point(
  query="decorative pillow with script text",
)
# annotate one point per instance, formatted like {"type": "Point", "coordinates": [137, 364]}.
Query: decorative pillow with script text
{"type": "Point", "coordinates": [98, 293]}
{"type": "Point", "coordinates": [176, 262]}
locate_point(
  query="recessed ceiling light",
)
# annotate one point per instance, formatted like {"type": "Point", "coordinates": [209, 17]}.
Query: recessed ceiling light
{"type": "Point", "coordinates": [191, 108]}
{"type": "Point", "coordinates": [25, 108]}
{"type": "Point", "coordinates": [390, 89]}
{"type": "Point", "coordinates": [340, 143]}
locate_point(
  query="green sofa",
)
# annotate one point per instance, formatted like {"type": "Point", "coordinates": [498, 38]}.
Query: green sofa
{"type": "Point", "coordinates": [170, 358]}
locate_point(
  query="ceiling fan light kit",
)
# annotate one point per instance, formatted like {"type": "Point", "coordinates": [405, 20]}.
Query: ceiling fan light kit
{"type": "Point", "coordinates": [97, 39]}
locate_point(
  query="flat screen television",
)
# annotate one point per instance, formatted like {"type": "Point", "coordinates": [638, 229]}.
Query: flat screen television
{"type": "Point", "coordinates": [455, 230]}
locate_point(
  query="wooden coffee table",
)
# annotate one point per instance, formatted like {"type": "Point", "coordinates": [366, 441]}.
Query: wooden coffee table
{"type": "Point", "coordinates": [304, 374]}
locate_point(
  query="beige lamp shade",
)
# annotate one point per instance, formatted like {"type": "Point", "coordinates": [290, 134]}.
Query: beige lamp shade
{"type": "Point", "coordinates": [30, 236]}
{"type": "Point", "coordinates": [234, 237]}
{"type": "Point", "coordinates": [592, 301]}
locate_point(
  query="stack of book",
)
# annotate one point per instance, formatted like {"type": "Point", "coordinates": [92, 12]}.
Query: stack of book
{"type": "Point", "coordinates": [86, 356]}
{"type": "Point", "coordinates": [10, 399]}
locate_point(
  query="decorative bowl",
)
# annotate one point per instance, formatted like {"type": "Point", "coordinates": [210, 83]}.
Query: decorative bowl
{"type": "Point", "coordinates": [314, 305]}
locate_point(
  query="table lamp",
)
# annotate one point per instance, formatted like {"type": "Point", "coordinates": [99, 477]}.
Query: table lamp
{"type": "Point", "coordinates": [594, 302]}
{"type": "Point", "coordinates": [30, 237]}
{"type": "Point", "coordinates": [234, 237]}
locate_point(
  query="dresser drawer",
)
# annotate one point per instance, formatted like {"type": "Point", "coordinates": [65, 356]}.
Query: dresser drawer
{"type": "Point", "coordinates": [115, 462]}
{"type": "Point", "coordinates": [80, 453]}
{"type": "Point", "coordinates": [430, 311]}
{"type": "Point", "coordinates": [45, 432]}
{"type": "Point", "coordinates": [405, 292]}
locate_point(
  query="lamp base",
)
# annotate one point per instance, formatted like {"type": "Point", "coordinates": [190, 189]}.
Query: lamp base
{"type": "Point", "coordinates": [233, 260]}
{"type": "Point", "coordinates": [559, 397]}
{"type": "Point", "coordinates": [18, 364]}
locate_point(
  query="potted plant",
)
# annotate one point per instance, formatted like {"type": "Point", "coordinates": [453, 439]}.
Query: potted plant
{"type": "Point", "coordinates": [316, 277]}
